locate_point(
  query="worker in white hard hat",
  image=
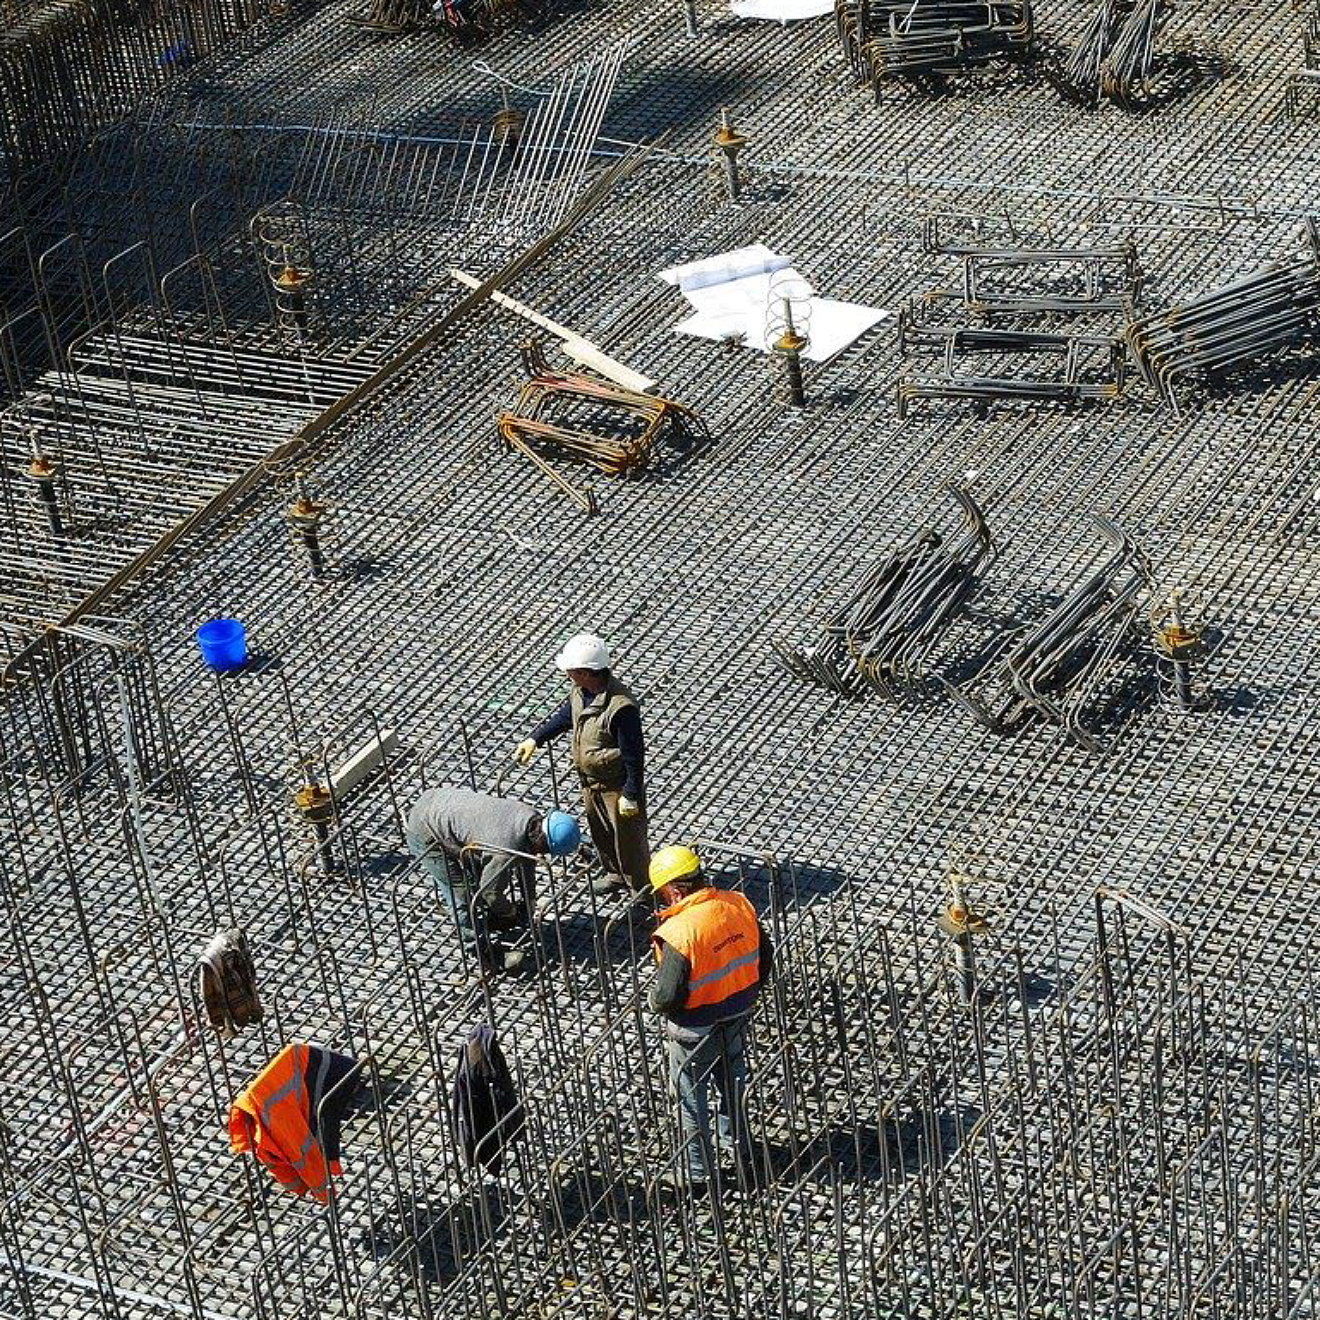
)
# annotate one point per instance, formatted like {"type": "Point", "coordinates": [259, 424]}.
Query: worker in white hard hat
{"type": "Point", "coordinates": [609, 755]}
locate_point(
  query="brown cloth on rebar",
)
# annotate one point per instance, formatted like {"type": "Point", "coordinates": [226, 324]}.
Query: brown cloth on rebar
{"type": "Point", "coordinates": [229, 983]}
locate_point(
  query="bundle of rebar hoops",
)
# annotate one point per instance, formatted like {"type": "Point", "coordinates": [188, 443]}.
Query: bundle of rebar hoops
{"type": "Point", "coordinates": [1115, 59]}
{"type": "Point", "coordinates": [886, 39]}
{"type": "Point", "coordinates": [1056, 668]}
{"type": "Point", "coordinates": [616, 431]}
{"type": "Point", "coordinates": [882, 635]}
{"type": "Point", "coordinates": [1232, 326]}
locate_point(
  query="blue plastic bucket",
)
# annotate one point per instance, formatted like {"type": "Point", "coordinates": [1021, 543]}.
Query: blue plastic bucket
{"type": "Point", "coordinates": [223, 643]}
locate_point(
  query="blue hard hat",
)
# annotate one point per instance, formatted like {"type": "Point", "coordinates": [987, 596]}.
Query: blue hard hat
{"type": "Point", "coordinates": [562, 835]}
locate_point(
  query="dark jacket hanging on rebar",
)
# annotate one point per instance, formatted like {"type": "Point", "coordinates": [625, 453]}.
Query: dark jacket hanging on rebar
{"type": "Point", "coordinates": [229, 983]}
{"type": "Point", "coordinates": [488, 1114]}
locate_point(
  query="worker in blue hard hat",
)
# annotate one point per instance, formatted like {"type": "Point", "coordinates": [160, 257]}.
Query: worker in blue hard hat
{"type": "Point", "coordinates": [481, 852]}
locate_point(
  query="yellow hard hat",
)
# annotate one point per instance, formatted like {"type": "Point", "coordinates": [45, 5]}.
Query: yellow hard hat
{"type": "Point", "coordinates": [673, 863]}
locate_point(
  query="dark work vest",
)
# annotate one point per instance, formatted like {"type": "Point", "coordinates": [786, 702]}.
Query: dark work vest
{"type": "Point", "coordinates": [595, 752]}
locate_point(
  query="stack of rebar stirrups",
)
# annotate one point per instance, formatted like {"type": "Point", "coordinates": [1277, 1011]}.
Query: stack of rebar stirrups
{"type": "Point", "coordinates": [930, 39]}
{"type": "Point", "coordinates": [1115, 58]}
{"type": "Point", "coordinates": [1057, 670]}
{"type": "Point", "coordinates": [1232, 327]}
{"type": "Point", "coordinates": [885, 633]}
{"type": "Point", "coordinates": [1024, 306]}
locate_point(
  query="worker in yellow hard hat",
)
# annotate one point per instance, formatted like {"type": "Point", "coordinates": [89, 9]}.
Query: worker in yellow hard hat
{"type": "Point", "coordinates": [712, 957]}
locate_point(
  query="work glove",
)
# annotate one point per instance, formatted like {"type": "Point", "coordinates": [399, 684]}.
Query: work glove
{"type": "Point", "coordinates": [627, 807]}
{"type": "Point", "coordinates": [525, 750]}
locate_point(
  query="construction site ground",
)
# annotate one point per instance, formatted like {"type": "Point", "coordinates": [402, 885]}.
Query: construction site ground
{"type": "Point", "coordinates": [1124, 1121]}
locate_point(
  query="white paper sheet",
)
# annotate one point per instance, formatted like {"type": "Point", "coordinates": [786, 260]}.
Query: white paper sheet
{"type": "Point", "coordinates": [750, 297]}
{"type": "Point", "coordinates": [833, 325]}
{"type": "Point", "coordinates": [781, 11]}
{"type": "Point", "coordinates": [732, 293]}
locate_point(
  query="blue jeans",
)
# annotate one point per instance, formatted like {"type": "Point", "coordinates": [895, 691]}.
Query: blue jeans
{"type": "Point", "coordinates": [720, 1056]}
{"type": "Point", "coordinates": [453, 886]}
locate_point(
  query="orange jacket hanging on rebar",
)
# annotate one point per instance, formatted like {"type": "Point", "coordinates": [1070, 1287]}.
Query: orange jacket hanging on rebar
{"type": "Point", "coordinates": [717, 932]}
{"type": "Point", "coordinates": [275, 1118]}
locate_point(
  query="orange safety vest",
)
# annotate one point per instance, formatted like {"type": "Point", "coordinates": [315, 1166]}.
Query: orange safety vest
{"type": "Point", "coordinates": [272, 1119]}
{"type": "Point", "coordinates": [716, 931]}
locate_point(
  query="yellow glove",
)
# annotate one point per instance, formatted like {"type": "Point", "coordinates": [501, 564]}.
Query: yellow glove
{"type": "Point", "coordinates": [525, 750]}
{"type": "Point", "coordinates": [627, 807]}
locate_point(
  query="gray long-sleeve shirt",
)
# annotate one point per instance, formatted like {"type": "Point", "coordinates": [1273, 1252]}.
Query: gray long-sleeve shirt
{"type": "Point", "coordinates": [455, 819]}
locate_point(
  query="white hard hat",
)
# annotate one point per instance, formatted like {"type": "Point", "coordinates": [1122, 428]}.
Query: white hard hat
{"type": "Point", "coordinates": [585, 651]}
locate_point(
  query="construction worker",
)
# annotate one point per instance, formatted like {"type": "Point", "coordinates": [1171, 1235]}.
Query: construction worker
{"type": "Point", "coordinates": [712, 958]}
{"type": "Point", "coordinates": [609, 756]}
{"type": "Point", "coordinates": [480, 850]}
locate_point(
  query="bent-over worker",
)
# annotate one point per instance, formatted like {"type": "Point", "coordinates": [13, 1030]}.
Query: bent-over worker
{"type": "Point", "coordinates": [479, 846]}
{"type": "Point", "coordinates": [712, 957]}
{"type": "Point", "coordinates": [609, 755]}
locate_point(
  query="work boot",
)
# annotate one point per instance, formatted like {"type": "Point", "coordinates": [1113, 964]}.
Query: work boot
{"type": "Point", "coordinates": [514, 960]}
{"type": "Point", "coordinates": [498, 959]}
{"type": "Point", "coordinates": [608, 884]}
{"type": "Point", "coordinates": [676, 1180]}
{"type": "Point", "coordinates": [504, 918]}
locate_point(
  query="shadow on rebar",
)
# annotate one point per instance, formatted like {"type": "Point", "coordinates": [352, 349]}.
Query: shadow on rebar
{"type": "Point", "coordinates": [445, 1237]}
{"type": "Point", "coordinates": [672, 96]}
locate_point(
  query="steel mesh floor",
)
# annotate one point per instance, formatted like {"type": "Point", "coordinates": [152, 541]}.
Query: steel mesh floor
{"type": "Point", "coordinates": [1124, 1123]}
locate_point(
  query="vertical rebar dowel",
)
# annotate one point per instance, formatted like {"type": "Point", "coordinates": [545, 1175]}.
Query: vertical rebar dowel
{"type": "Point", "coordinates": [960, 924]}
{"type": "Point", "coordinates": [1182, 683]}
{"type": "Point", "coordinates": [964, 967]}
{"type": "Point", "coordinates": [45, 472]}
{"type": "Point", "coordinates": [690, 18]}
{"type": "Point", "coordinates": [291, 286]}
{"type": "Point", "coordinates": [316, 806]}
{"type": "Point", "coordinates": [790, 344]}
{"type": "Point", "coordinates": [729, 143]}
{"type": "Point", "coordinates": [1180, 645]}
{"type": "Point", "coordinates": [508, 124]}
{"type": "Point", "coordinates": [1182, 671]}
{"type": "Point", "coordinates": [962, 944]}
{"type": "Point", "coordinates": [322, 831]}
{"type": "Point", "coordinates": [305, 514]}
{"type": "Point", "coordinates": [731, 176]}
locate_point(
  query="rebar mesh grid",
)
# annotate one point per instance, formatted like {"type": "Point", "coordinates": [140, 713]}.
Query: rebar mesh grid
{"type": "Point", "coordinates": [1120, 1121]}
